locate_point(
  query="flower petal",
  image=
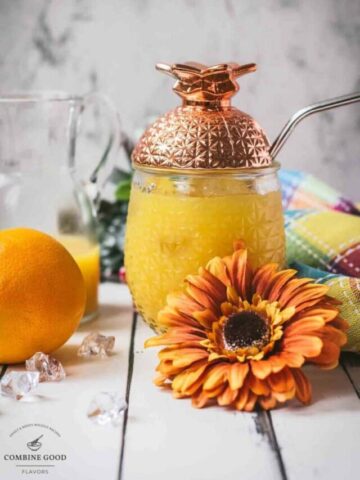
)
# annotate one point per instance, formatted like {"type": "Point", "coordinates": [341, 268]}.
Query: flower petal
{"type": "Point", "coordinates": [190, 358]}
{"type": "Point", "coordinates": [228, 309]}
{"type": "Point", "coordinates": [329, 356]}
{"type": "Point", "coordinates": [155, 341]}
{"type": "Point", "coordinates": [292, 359]}
{"type": "Point", "coordinates": [340, 323]}
{"type": "Point", "coordinates": [251, 401]}
{"type": "Point", "coordinates": [307, 296]}
{"type": "Point", "coordinates": [217, 267]}
{"type": "Point", "coordinates": [261, 369]}
{"type": "Point", "coordinates": [326, 312]}
{"type": "Point", "coordinates": [263, 277]}
{"type": "Point", "coordinates": [277, 362]}
{"type": "Point", "coordinates": [187, 378]}
{"type": "Point", "coordinates": [291, 288]}
{"type": "Point", "coordinates": [303, 386]}
{"type": "Point", "coordinates": [183, 303]}
{"type": "Point", "coordinates": [202, 298]}
{"type": "Point", "coordinates": [279, 280]}
{"type": "Point", "coordinates": [160, 380]}
{"type": "Point", "coordinates": [170, 317]}
{"type": "Point", "coordinates": [267, 403]}
{"type": "Point", "coordinates": [334, 335]}
{"type": "Point", "coordinates": [167, 369]}
{"type": "Point", "coordinates": [171, 339]}
{"type": "Point", "coordinates": [209, 284]}
{"type": "Point", "coordinates": [199, 399]}
{"type": "Point", "coordinates": [171, 353]}
{"type": "Point", "coordinates": [237, 374]}
{"type": "Point", "coordinates": [305, 326]}
{"type": "Point", "coordinates": [259, 387]}
{"type": "Point", "coordinates": [205, 317]}
{"type": "Point", "coordinates": [179, 395]}
{"type": "Point", "coordinates": [216, 376]}
{"type": "Point", "coordinates": [284, 396]}
{"type": "Point", "coordinates": [227, 397]}
{"type": "Point", "coordinates": [285, 315]}
{"type": "Point", "coordinates": [282, 381]}
{"type": "Point", "coordinates": [241, 400]}
{"type": "Point", "coordinates": [215, 392]}
{"type": "Point", "coordinates": [232, 295]}
{"type": "Point", "coordinates": [241, 272]}
{"type": "Point", "coordinates": [306, 345]}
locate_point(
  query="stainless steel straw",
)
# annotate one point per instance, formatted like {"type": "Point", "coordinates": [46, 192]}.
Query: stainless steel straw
{"type": "Point", "coordinates": [305, 112]}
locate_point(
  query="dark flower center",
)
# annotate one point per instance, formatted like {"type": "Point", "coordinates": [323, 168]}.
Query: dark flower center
{"type": "Point", "coordinates": [246, 329]}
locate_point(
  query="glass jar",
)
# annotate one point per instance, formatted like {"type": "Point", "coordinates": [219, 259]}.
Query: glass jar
{"type": "Point", "coordinates": [204, 179]}
{"type": "Point", "coordinates": [41, 183]}
{"type": "Point", "coordinates": [177, 222]}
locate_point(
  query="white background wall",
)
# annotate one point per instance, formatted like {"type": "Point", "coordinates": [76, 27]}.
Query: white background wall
{"type": "Point", "coordinates": [306, 50]}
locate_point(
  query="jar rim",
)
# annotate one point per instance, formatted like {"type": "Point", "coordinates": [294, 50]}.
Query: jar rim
{"type": "Point", "coordinates": [205, 172]}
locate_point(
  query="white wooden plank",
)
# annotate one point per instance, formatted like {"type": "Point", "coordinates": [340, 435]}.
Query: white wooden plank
{"type": "Point", "coordinates": [92, 451]}
{"type": "Point", "coordinates": [167, 438]}
{"type": "Point", "coordinates": [321, 441]}
{"type": "Point", "coordinates": [351, 364]}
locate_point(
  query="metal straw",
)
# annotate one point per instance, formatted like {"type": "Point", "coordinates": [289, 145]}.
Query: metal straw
{"type": "Point", "coordinates": [305, 112]}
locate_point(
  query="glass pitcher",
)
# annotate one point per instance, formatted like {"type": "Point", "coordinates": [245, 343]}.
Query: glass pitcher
{"type": "Point", "coordinates": [203, 180]}
{"type": "Point", "coordinates": [40, 182]}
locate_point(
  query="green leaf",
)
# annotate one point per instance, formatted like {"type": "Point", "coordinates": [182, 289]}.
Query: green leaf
{"type": "Point", "coordinates": [123, 190]}
{"type": "Point", "coordinates": [118, 175]}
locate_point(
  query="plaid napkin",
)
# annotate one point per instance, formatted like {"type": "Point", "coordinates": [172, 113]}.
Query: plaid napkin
{"type": "Point", "coordinates": [323, 241]}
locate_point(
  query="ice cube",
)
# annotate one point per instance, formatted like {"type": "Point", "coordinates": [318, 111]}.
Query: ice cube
{"type": "Point", "coordinates": [107, 407]}
{"type": "Point", "coordinates": [96, 344]}
{"type": "Point", "coordinates": [50, 369]}
{"type": "Point", "coordinates": [18, 384]}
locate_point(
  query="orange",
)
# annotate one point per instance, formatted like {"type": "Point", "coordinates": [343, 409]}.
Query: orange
{"type": "Point", "coordinates": [42, 294]}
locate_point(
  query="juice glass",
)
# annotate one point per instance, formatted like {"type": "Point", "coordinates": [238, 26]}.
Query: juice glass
{"type": "Point", "coordinates": [178, 221]}
{"type": "Point", "coordinates": [86, 253]}
{"type": "Point", "coordinates": [204, 179]}
{"type": "Point", "coordinates": [42, 185]}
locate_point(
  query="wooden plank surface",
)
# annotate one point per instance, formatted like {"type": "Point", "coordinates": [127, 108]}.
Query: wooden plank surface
{"type": "Point", "coordinates": [92, 451]}
{"type": "Point", "coordinates": [351, 364]}
{"type": "Point", "coordinates": [322, 440]}
{"type": "Point", "coordinates": [161, 437]}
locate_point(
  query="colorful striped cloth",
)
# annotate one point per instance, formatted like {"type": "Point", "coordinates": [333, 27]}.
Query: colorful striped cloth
{"type": "Point", "coordinates": [302, 190]}
{"type": "Point", "coordinates": [323, 241]}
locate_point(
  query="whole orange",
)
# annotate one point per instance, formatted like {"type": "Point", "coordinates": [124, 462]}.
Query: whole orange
{"type": "Point", "coordinates": [42, 294]}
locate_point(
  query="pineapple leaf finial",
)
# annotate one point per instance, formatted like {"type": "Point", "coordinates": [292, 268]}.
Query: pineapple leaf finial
{"type": "Point", "coordinates": [210, 84]}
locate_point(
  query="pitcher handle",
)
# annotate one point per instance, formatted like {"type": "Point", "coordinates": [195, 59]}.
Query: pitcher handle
{"type": "Point", "coordinates": [115, 139]}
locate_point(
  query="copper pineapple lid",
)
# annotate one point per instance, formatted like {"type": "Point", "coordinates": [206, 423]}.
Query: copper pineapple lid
{"type": "Point", "coordinates": [206, 132]}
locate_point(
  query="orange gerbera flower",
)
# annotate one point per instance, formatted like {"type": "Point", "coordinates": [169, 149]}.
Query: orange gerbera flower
{"type": "Point", "coordinates": [241, 338]}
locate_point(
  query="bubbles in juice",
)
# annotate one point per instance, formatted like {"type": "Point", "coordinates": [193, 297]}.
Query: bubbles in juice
{"type": "Point", "coordinates": [171, 233]}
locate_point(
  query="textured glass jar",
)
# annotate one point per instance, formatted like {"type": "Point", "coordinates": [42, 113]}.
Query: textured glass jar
{"type": "Point", "coordinates": [177, 222]}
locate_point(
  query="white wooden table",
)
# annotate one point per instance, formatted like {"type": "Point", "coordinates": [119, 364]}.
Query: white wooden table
{"type": "Point", "coordinates": [161, 438]}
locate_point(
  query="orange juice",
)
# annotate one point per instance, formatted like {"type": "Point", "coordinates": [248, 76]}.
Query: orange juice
{"type": "Point", "coordinates": [87, 256]}
{"type": "Point", "coordinates": [171, 233]}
